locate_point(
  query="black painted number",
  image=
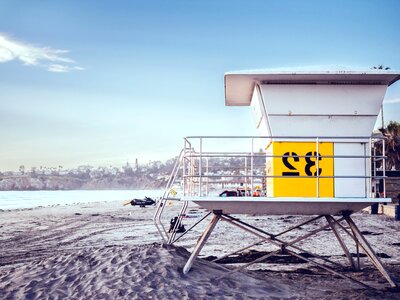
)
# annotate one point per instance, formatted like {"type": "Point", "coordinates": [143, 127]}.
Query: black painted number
{"type": "Point", "coordinates": [311, 163]}
{"type": "Point", "coordinates": [285, 160]}
{"type": "Point", "coordinates": [294, 158]}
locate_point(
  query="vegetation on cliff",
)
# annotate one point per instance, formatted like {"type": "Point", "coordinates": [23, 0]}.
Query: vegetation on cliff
{"type": "Point", "coordinates": [152, 176]}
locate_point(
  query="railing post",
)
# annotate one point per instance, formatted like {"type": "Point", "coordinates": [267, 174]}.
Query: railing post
{"type": "Point", "coordinates": [184, 167]}
{"type": "Point", "coordinates": [368, 168]}
{"type": "Point", "coordinates": [207, 178]}
{"type": "Point", "coordinates": [252, 166]}
{"type": "Point", "coordinates": [317, 165]}
{"type": "Point", "coordinates": [193, 173]}
{"type": "Point", "coordinates": [384, 167]}
{"type": "Point", "coordinates": [200, 167]}
{"type": "Point", "coordinates": [245, 176]}
{"type": "Point", "coordinates": [374, 172]}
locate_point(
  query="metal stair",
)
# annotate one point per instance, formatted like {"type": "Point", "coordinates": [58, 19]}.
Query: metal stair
{"type": "Point", "coordinates": [169, 195]}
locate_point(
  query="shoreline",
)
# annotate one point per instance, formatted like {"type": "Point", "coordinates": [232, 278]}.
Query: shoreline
{"type": "Point", "coordinates": [31, 199]}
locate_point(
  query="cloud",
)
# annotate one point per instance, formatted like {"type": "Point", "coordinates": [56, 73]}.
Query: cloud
{"type": "Point", "coordinates": [62, 68]}
{"type": "Point", "coordinates": [391, 101]}
{"type": "Point", "coordinates": [53, 60]}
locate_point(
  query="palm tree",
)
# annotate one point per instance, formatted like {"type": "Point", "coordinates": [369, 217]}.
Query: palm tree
{"type": "Point", "coordinates": [392, 145]}
{"type": "Point", "coordinates": [392, 133]}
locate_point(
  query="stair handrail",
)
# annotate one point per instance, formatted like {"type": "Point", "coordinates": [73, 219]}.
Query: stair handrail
{"type": "Point", "coordinates": [161, 204]}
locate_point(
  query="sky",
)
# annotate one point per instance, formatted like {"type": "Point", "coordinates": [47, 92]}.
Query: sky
{"type": "Point", "coordinates": [106, 82]}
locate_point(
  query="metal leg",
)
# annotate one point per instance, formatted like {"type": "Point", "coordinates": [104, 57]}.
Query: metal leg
{"type": "Point", "coordinates": [351, 235]}
{"type": "Point", "coordinates": [346, 251]}
{"type": "Point", "coordinates": [203, 239]}
{"type": "Point", "coordinates": [368, 250]}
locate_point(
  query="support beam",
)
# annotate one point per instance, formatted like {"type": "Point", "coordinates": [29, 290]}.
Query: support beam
{"type": "Point", "coordinates": [283, 247]}
{"type": "Point", "coordinates": [275, 241]}
{"type": "Point", "coordinates": [351, 235]}
{"type": "Point", "coordinates": [346, 251]}
{"type": "Point", "coordinates": [355, 234]}
{"type": "Point", "coordinates": [200, 244]}
{"type": "Point", "coordinates": [368, 251]}
{"type": "Point", "coordinates": [326, 268]}
{"type": "Point", "coordinates": [240, 250]}
{"type": "Point", "coordinates": [297, 226]}
{"type": "Point", "coordinates": [264, 257]}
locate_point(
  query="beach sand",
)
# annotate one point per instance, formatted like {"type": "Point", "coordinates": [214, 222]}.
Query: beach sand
{"type": "Point", "coordinates": [107, 251]}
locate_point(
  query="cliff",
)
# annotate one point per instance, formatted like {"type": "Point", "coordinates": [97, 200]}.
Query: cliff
{"type": "Point", "coordinates": [58, 182]}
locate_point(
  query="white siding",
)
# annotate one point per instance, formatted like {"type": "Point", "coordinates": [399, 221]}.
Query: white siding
{"type": "Point", "coordinates": [346, 187]}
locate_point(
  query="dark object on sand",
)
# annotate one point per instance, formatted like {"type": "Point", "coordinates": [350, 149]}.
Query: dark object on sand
{"type": "Point", "coordinates": [142, 202]}
{"type": "Point", "coordinates": [181, 227]}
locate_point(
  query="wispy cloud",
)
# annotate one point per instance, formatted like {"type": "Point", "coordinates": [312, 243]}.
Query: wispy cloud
{"type": "Point", "coordinates": [62, 68]}
{"type": "Point", "coordinates": [392, 101]}
{"type": "Point", "coordinates": [54, 60]}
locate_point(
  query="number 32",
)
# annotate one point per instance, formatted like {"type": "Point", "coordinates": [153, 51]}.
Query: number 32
{"type": "Point", "coordinates": [309, 163]}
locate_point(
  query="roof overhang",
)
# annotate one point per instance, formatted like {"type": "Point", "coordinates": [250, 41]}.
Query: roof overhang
{"type": "Point", "coordinates": [239, 85]}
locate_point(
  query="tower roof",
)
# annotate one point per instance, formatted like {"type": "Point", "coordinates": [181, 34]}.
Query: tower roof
{"type": "Point", "coordinates": [239, 85]}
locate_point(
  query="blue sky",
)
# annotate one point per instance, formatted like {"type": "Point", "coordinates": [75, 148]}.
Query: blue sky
{"type": "Point", "coordinates": [103, 82]}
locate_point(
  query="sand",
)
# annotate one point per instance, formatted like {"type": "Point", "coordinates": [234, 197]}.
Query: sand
{"type": "Point", "coordinates": [107, 251]}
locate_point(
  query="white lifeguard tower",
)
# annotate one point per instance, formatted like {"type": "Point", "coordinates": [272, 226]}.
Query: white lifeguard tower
{"type": "Point", "coordinates": [316, 156]}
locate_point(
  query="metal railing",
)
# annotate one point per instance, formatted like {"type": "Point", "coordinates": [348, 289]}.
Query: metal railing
{"type": "Point", "coordinates": [202, 168]}
{"type": "Point", "coordinates": [206, 169]}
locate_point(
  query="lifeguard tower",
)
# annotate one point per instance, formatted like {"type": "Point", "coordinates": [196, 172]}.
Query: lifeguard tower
{"type": "Point", "coordinates": [314, 156]}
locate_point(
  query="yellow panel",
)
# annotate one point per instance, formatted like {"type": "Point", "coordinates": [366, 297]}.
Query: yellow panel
{"type": "Point", "coordinates": [296, 159]}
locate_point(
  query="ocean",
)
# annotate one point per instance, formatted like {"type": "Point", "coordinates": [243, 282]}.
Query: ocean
{"type": "Point", "coordinates": [32, 199]}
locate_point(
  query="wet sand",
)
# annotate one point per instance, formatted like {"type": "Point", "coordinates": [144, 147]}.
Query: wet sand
{"type": "Point", "coordinates": [107, 251]}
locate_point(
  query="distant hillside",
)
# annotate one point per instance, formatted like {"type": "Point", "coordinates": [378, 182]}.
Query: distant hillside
{"type": "Point", "coordinates": [59, 182]}
{"type": "Point", "coordinates": [152, 176]}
